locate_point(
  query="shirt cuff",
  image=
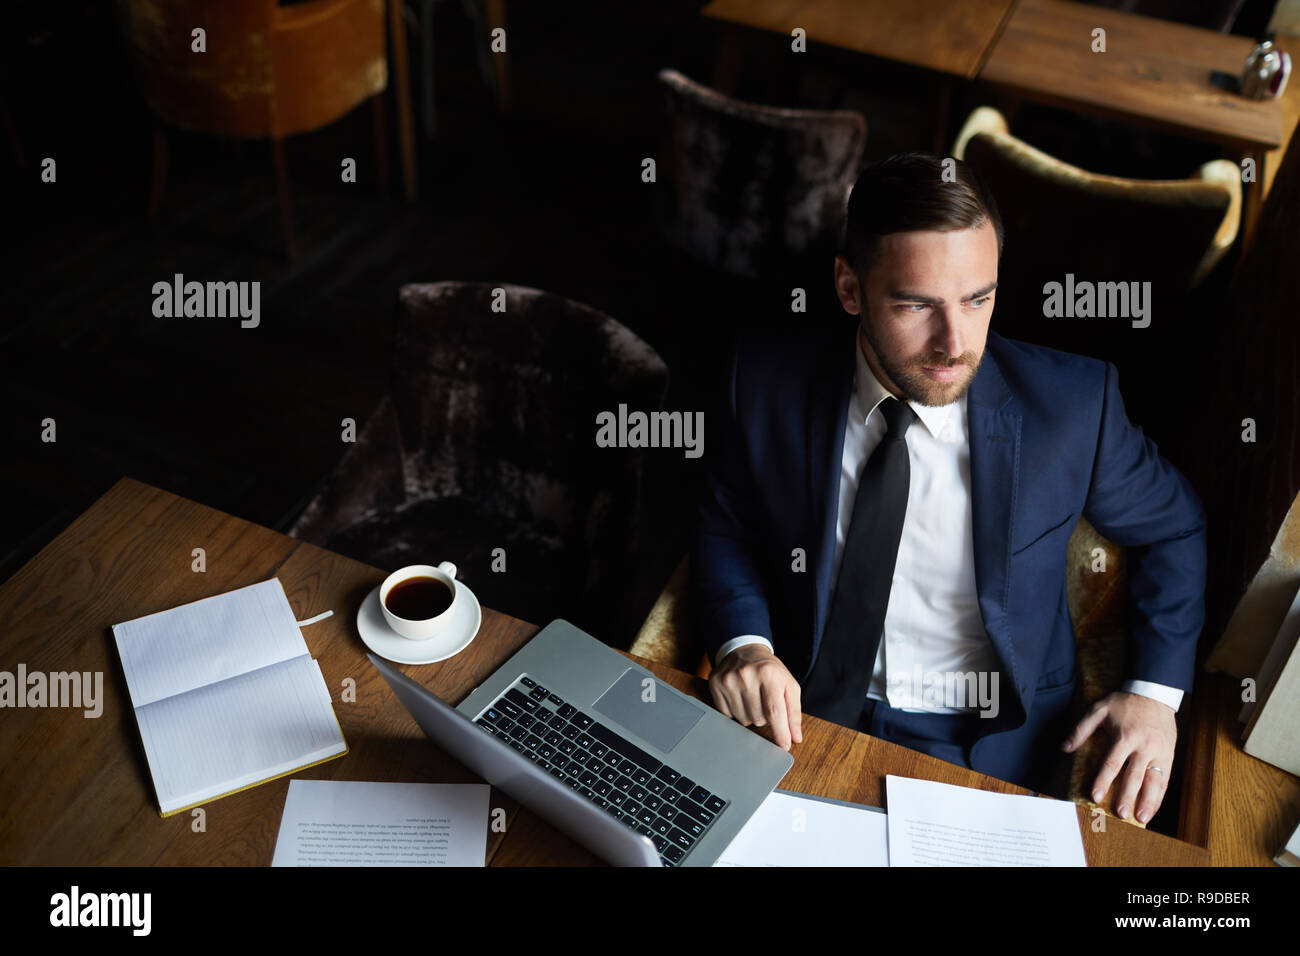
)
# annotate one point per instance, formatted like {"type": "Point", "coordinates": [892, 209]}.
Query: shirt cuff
{"type": "Point", "coordinates": [736, 642]}
{"type": "Point", "coordinates": [1170, 696]}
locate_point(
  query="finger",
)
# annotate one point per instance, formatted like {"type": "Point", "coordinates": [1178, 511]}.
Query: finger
{"type": "Point", "coordinates": [1090, 722]}
{"type": "Point", "coordinates": [719, 696]}
{"type": "Point", "coordinates": [732, 685]}
{"type": "Point", "coordinates": [1152, 793]}
{"type": "Point", "coordinates": [1110, 768]}
{"type": "Point", "coordinates": [794, 710]}
{"type": "Point", "coordinates": [735, 688]}
{"type": "Point", "coordinates": [752, 699]}
{"type": "Point", "coordinates": [773, 693]}
{"type": "Point", "coordinates": [1131, 783]}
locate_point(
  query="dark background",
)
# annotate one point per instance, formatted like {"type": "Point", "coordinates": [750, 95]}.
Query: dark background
{"type": "Point", "coordinates": [548, 195]}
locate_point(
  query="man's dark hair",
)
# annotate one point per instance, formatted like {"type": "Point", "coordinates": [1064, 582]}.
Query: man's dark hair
{"type": "Point", "coordinates": [908, 192]}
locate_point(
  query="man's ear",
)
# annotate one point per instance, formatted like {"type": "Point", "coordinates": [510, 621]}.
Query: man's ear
{"type": "Point", "coordinates": [847, 286]}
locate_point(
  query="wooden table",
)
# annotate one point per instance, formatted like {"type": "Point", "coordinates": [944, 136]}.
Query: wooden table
{"type": "Point", "coordinates": [951, 39]}
{"type": "Point", "coordinates": [1252, 806]}
{"type": "Point", "coordinates": [77, 790]}
{"type": "Point", "coordinates": [1154, 73]}
{"type": "Point", "coordinates": [940, 35]}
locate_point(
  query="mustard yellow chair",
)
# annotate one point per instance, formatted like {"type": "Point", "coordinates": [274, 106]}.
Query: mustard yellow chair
{"type": "Point", "coordinates": [1155, 243]}
{"type": "Point", "coordinates": [267, 72]}
{"type": "Point", "coordinates": [1096, 599]}
{"type": "Point", "coordinates": [1068, 219]}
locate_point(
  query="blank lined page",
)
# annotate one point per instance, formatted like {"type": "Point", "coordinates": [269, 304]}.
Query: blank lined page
{"type": "Point", "coordinates": [240, 731]}
{"type": "Point", "coordinates": [207, 641]}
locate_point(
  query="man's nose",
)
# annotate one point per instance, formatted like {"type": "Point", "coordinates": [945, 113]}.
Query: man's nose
{"type": "Point", "coordinates": [948, 338]}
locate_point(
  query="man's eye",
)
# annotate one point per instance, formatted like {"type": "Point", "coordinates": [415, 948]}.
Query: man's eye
{"type": "Point", "coordinates": [980, 301]}
{"type": "Point", "coordinates": [913, 306]}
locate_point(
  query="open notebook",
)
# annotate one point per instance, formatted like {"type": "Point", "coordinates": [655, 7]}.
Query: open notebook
{"type": "Point", "coordinates": [226, 695]}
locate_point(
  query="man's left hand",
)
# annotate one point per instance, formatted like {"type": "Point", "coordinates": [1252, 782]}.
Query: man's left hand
{"type": "Point", "coordinates": [1142, 734]}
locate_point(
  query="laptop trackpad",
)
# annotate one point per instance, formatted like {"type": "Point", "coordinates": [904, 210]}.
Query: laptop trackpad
{"type": "Point", "coordinates": [651, 709]}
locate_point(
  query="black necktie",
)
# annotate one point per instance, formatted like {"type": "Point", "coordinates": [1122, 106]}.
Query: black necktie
{"type": "Point", "coordinates": [836, 690]}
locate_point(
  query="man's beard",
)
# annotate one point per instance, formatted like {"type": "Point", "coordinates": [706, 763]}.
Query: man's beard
{"type": "Point", "coordinates": [915, 385]}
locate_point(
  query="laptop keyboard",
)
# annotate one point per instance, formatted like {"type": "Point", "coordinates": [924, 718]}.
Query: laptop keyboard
{"type": "Point", "coordinates": [619, 777]}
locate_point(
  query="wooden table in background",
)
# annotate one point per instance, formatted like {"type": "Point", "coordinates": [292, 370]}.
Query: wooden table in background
{"type": "Point", "coordinates": [951, 39]}
{"type": "Point", "coordinates": [938, 35]}
{"type": "Point", "coordinates": [1252, 806]}
{"type": "Point", "coordinates": [1154, 73]}
{"type": "Point", "coordinates": [77, 790]}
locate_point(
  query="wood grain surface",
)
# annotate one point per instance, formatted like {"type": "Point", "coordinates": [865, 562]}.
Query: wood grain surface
{"type": "Point", "coordinates": [1253, 807]}
{"type": "Point", "coordinates": [77, 790]}
{"type": "Point", "coordinates": [940, 35]}
{"type": "Point", "coordinates": [1153, 72]}
{"type": "Point", "coordinates": [834, 761]}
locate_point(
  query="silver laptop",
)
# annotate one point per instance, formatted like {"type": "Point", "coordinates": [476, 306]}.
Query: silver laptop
{"type": "Point", "coordinates": [626, 765]}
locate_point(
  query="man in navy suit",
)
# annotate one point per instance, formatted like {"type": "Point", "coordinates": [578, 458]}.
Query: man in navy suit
{"type": "Point", "coordinates": [931, 609]}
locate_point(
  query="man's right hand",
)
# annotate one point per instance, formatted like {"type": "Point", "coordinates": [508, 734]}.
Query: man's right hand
{"type": "Point", "coordinates": [752, 686]}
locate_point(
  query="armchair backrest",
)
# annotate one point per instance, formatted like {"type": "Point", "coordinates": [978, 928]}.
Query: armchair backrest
{"type": "Point", "coordinates": [505, 404]}
{"type": "Point", "coordinates": [748, 186]}
{"type": "Point", "coordinates": [225, 90]}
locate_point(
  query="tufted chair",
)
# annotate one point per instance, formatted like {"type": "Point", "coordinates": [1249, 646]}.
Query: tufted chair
{"type": "Point", "coordinates": [1064, 219]}
{"type": "Point", "coordinates": [487, 440]}
{"type": "Point", "coordinates": [268, 71]}
{"type": "Point", "coordinates": [1097, 610]}
{"type": "Point", "coordinates": [750, 186]}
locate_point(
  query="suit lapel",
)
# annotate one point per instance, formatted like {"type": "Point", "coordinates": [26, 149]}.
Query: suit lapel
{"type": "Point", "coordinates": [826, 414]}
{"type": "Point", "coordinates": [994, 418]}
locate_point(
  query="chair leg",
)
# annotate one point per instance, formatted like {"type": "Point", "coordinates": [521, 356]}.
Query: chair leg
{"type": "Point", "coordinates": [159, 171]}
{"type": "Point", "coordinates": [496, 15]}
{"type": "Point", "coordinates": [427, 55]}
{"type": "Point", "coordinates": [402, 88]}
{"type": "Point", "coordinates": [381, 142]}
{"type": "Point", "coordinates": [478, 25]}
{"type": "Point", "coordinates": [286, 202]}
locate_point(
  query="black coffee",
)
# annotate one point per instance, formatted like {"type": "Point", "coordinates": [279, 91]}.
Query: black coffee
{"type": "Point", "coordinates": [418, 599]}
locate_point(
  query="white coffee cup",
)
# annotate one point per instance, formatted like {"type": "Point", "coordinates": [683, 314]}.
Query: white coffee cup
{"type": "Point", "coordinates": [421, 630]}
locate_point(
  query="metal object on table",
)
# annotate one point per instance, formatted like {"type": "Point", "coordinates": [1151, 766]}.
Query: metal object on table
{"type": "Point", "coordinates": [1266, 71]}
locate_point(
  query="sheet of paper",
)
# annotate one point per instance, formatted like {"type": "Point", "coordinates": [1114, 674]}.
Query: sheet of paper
{"type": "Point", "coordinates": [355, 823]}
{"type": "Point", "coordinates": [240, 731]}
{"type": "Point", "coordinates": [791, 829]}
{"type": "Point", "coordinates": [207, 641]}
{"type": "Point", "coordinates": [938, 824]}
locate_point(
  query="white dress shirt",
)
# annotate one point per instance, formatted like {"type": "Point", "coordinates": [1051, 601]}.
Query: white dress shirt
{"type": "Point", "coordinates": [933, 625]}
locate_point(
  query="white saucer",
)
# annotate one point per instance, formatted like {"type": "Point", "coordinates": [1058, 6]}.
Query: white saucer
{"type": "Point", "coordinates": [387, 643]}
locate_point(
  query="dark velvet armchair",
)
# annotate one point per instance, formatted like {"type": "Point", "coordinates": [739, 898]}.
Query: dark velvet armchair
{"type": "Point", "coordinates": [487, 441]}
{"type": "Point", "coordinates": [750, 186]}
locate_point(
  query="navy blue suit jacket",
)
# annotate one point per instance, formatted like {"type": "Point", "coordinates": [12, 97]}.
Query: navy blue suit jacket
{"type": "Point", "coordinates": [1049, 441]}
